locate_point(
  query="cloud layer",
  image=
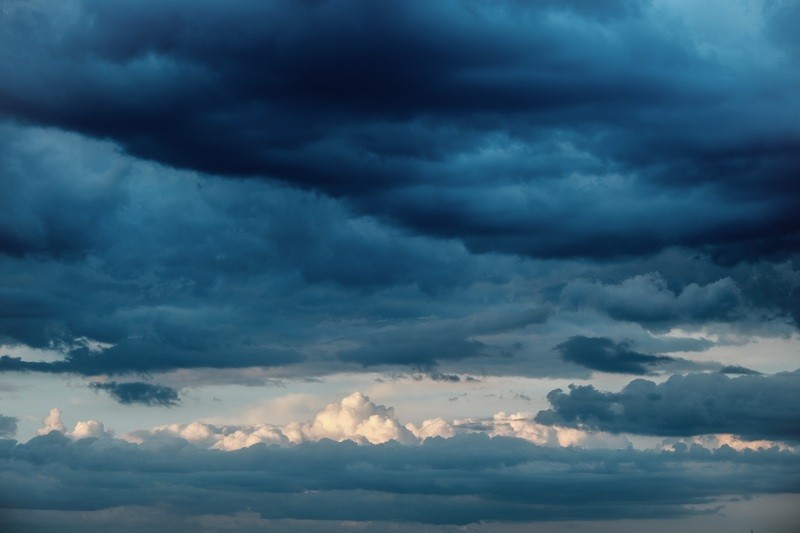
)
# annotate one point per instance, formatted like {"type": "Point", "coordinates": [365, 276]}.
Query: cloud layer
{"type": "Point", "coordinates": [524, 472]}
{"type": "Point", "coordinates": [405, 109]}
{"type": "Point", "coordinates": [751, 406]}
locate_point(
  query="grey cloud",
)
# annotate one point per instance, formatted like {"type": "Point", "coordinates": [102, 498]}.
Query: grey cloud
{"type": "Point", "coordinates": [424, 343]}
{"type": "Point", "coordinates": [139, 393]}
{"type": "Point", "coordinates": [460, 480]}
{"type": "Point", "coordinates": [8, 426]}
{"type": "Point", "coordinates": [600, 353]}
{"type": "Point", "coordinates": [647, 299]}
{"type": "Point", "coordinates": [614, 119]}
{"type": "Point", "coordinates": [751, 406]}
{"type": "Point", "coordinates": [185, 271]}
{"type": "Point", "coordinates": [736, 369]}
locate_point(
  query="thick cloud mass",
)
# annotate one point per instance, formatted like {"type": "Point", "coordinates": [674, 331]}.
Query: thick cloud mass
{"type": "Point", "coordinates": [455, 188]}
{"type": "Point", "coordinates": [552, 129]}
{"type": "Point", "coordinates": [459, 480]}
{"type": "Point", "coordinates": [197, 195]}
{"type": "Point", "coordinates": [751, 406]}
{"type": "Point", "coordinates": [603, 354]}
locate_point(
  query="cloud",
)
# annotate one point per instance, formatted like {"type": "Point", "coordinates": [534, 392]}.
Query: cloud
{"type": "Point", "coordinates": [139, 393]}
{"type": "Point", "coordinates": [361, 230]}
{"type": "Point", "coordinates": [83, 428]}
{"type": "Point", "coordinates": [460, 480]}
{"type": "Point", "coordinates": [736, 369]}
{"type": "Point", "coordinates": [599, 353]}
{"type": "Point", "coordinates": [52, 422]}
{"type": "Point", "coordinates": [426, 342]}
{"type": "Point", "coordinates": [404, 109]}
{"type": "Point", "coordinates": [647, 299]}
{"type": "Point", "coordinates": [749, 406]}
{"type": "Point", "coordinates": [8, 426]}
{"type": "Point", "coordinates": [354, 418]}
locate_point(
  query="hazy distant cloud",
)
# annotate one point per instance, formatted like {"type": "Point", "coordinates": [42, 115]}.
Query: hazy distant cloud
{"type": "Point", "coordinates": [736, 369]}
{"type": "Point", "coordinates": [751, 406]}
{"type": "Point", "coordinates": [8, 426]}
{"type": "Point", "coordinates": [139, 393]}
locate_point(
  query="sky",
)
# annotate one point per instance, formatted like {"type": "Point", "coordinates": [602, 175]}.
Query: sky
{"type": "Point", "coordinates": [400, 266]}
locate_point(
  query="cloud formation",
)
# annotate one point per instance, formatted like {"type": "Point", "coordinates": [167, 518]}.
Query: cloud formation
{"type": "Point", "coordinates": [599, 353]}
{"type": "Point", "coordinates": [404, 109]}
{"type": "Point", "coordinates": [465, 478]}
{"type": "Point", "coordinates": [647, 299]}
{"type": "Point", "coordinates": [197, 196]}
{"type": "Point", "coordinates": [139, 393]}
{"type": "Point", "coordinates": [750, 406]}
{"type": "Point", "coordinates": [8, 426]}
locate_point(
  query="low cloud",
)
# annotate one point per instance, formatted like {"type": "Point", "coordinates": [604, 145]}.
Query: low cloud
{"type": "Point", "coordinates": [459, 480]}
{"type": "Point", "coordinates": [139, 393]}
{"type": "Point", "coordinates": [750, 406]}
{"type": "Point", "coordinates": [600, 353]}
{"type": "Point", "coordinates": [8, 426]}
{"type": "Point", "coordinates": [83, 428]}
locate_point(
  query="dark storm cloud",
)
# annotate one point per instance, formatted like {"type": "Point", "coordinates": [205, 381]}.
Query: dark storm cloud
{"type": "Point", "coordinates": [552, 129]}
{"type": "Point", "coordinates": [387, 145]}
{"type": "Point", "coordinates": [425, 343]}
{"type": "Point", "coordinates": [8, 426]}
{"type": "Point", "coordinates": [447, 481]}
{"type": "Point", "coordinates": [751, 406]}
{"type": "Point", "coordinates": [190, 271]}
{"type": "Point", "coordinates": [600, 353]}
{"type": "Point", "coordinates": [139, 393]}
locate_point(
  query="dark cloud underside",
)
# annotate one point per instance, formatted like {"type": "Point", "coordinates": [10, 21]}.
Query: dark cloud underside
{"type": "Point", "coordinates": [604, 354]}
{"type": "Point", "coordinates": [444, 481]}
{"type": "Point", "coordinates": [485, 122]}
{"type": "Point", "coordinates": [448, 186]}
{"type": "Point", "coordinates": [139, 393]}
{"type": "Point", "coordinates": [751, 406]}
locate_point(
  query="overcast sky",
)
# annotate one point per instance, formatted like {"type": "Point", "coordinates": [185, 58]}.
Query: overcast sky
{"type": "Point", "coordinates": [418, 265]}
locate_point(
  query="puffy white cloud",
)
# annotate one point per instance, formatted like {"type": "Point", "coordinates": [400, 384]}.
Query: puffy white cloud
{"type": "Point", "coordinates": [88, 428]}
{"type": "Point", "coordinates": [52, 422]}
{"type": "Point", "coordinates": [83, 428]}
{"type": "Point", "coordinates": [434, 427]}
{"type": "Point", "coordinates": [355, 418]}
{"type": "Point", "coordinates": [521, 425]}
{"type": "Point", "coordinates": [244, 438]}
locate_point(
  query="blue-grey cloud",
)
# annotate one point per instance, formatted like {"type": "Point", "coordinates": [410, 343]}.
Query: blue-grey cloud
{"type": "Point", "coordinates": [736, 369]}
{"type": "Point", "coordinates": [751, 406]}
{"type": "Point", "coordinates": [174, 270]}
{"type": "Point", "coordinates": [600, 353]}
{"type": "Point", "coordinates": [460, 480]}
{"type": "Point", "coordinates": [647, 299]}
{"type": "Point", "coordinates": [386, 210]}
{"type": "Point", "coordinates": [8, 426]}
{"type": "Point", "coordinates": [614, 119]}
{"type": "Point", "coordinates": [139, 393]}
